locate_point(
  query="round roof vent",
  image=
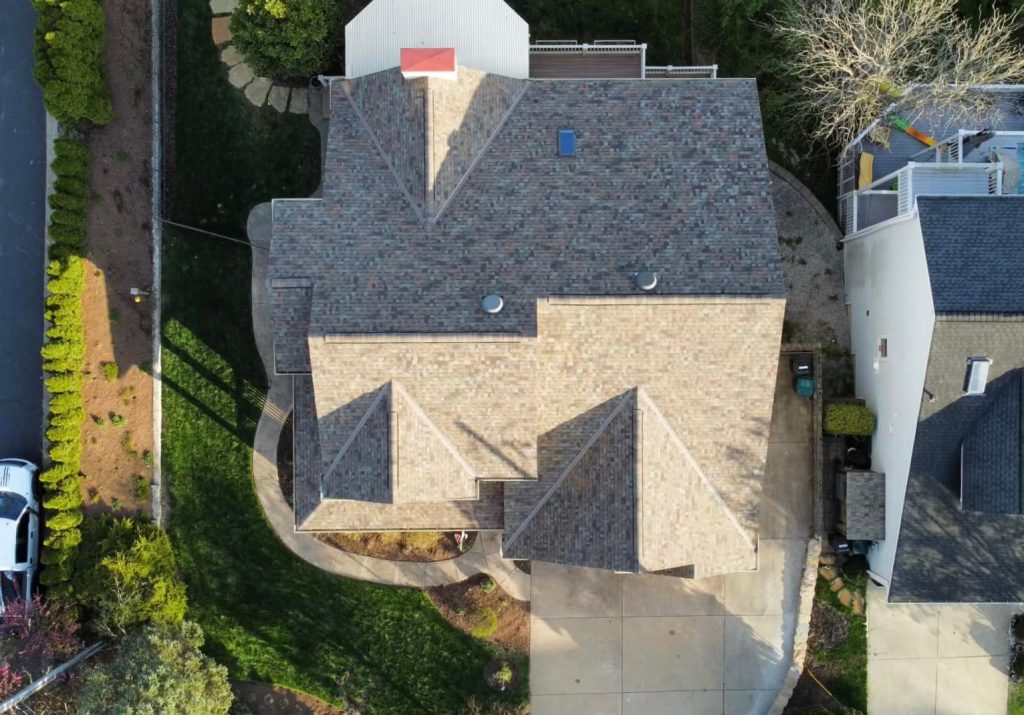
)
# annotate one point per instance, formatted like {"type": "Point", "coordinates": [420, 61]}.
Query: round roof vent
{"type": "Point", "coordinates": [646, 280]}
{"type": "Point", "coordinates": [493, 303]}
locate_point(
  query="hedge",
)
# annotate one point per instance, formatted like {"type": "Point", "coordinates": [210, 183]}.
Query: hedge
{"type": "Point", "coordinates": [63, 360]}
{"type": "Point", "coordinates": [69, 60]}
{"type": "Point", "coordinates": [849, 419]}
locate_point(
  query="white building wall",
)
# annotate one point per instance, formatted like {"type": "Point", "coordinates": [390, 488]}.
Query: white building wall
{"type": "Point", "coordinates": [487, 35]}
{"type": "Point", "coordinates": [888, 293]}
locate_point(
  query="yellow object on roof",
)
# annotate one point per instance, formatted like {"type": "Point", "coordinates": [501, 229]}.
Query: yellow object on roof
{"type": "Point", "coordinates": [866, 173]}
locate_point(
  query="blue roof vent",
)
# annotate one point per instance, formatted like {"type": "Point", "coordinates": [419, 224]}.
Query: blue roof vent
{"type": "Point", "coordinates": [566, 142]}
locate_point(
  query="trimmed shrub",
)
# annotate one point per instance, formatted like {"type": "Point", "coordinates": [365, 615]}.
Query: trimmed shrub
{"type": "Point", "coordinates": [68, 382]}
{"type": "Point", "coordinates": [64, 501]}
{"type": "Point", "coordinates": [63, 540]}
{"type": "Point", "coordinates": [288, 38]}
{"type": "Point", "coordinates": [62, 520]}
{"type": "Point", "coordinates": [67, 202]}
{"type": "Point", "coordinates": [848, 419]}
{"type": "Point", "coordinates": [70, 186]}
{"type": "Point", "coordinates": [126, 575]}
{"type": "Point", "coordinates": [69, 51]}
{"type": "Point", "coordinates": [70, 149]}
{"type": "Point", "coordinates": [72, 235]}
{"type": "Point", "coordinates": [67, 452]}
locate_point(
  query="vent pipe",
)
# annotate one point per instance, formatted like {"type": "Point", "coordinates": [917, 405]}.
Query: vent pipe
{"type": "Point", "coordinates": [646, 280]}
{"type": "Point", "coordinates": [493, 303]}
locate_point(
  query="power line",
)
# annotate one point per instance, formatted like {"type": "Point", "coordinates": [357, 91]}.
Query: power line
{"type": "Point", "coordinates": [215, 235]}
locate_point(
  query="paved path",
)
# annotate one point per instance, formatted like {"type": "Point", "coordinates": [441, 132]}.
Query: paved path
{"type": "Point", "coordinates": [931, 659]}
{"type": "Point", "coordinates": [485, 556]}
{"type": "Point", "coordinates": [22, 178]}
{"type": "Point", "coordinates": [621, 644]}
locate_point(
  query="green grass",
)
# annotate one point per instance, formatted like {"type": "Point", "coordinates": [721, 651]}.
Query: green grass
{"type": "Point", "coordinates": [1015, 704]}
{"type": "Point", "coordinates": [268, 616]}
{"type": "Point", "coordinates": [844, 669]}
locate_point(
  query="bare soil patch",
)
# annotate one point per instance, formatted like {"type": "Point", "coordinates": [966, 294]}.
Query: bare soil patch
{"type": "Point", "coordinates": [479, 607]}
{"type": "Point", "coordinates": [265, 699]}
{"type": "Point", "coordinates": [118, 434]}
{"type": "Point", "coordinates": [399, 545]}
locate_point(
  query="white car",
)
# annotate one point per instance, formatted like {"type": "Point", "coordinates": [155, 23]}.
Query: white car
{"type": "Point", "coordinates": [19, 530]}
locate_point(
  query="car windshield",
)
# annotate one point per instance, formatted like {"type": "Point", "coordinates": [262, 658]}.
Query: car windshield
{"type": "Point", "coordinates": [11, 505]}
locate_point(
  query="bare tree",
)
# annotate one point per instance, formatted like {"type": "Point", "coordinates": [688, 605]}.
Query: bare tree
{"type": "Point", "coordinates": [856, 58]}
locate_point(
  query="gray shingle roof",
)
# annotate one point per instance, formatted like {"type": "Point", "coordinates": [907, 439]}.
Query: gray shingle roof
{"type": "Point", "coordinates": [946, 553]}
{"type": "Point", "coordinates": [865, 505]}
{"type": "Point", "coordinates": [992, 452]}
{"type": "Point", "coordinates": [975, 251]}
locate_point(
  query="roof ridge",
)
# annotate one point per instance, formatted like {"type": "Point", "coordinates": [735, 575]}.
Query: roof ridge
{"type": "Point", "coordinates": [383, 154]}
{"type": "Point", "coordinates": [626, 399]}
{"type": "Point", "coordinates": [382, 394]}
{"type": "Point", "coordinates": [400, 391]}
{"type": "Point", "coordinates": [681, 446]}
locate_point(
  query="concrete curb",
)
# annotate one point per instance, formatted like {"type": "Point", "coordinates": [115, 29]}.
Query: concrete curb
{"type": "Point", "coordinates": [483, 557]}
{"type": "Point", "coordinates": [52, 132]}
{"type": "Point", "coordinates": [156, 206]}
{"type": "Point", "coordinates": [803, 628]}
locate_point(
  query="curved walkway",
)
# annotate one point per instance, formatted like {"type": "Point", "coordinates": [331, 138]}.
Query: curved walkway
{"type": "Point", "coordinates": [483, 557]}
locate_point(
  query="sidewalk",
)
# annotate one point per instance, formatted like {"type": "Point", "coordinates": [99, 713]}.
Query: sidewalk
{"type": "Point", "coordinates": [484, 557]}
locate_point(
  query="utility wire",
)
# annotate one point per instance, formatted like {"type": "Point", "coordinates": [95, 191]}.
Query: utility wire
{"type": "Point", "coordinates": [215, 235]}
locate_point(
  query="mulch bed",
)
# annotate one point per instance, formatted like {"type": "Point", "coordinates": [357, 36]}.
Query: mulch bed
{"type": "Point", "coordinates": [829, 628]}
{"type": "Point", "coordinates": [491, 615]}
{"type": "Point", "coordinates": [399, 545]}
{"type": "Point", "coordinates": [265, 699]}
{"type": "Point", "coordinates": [285, 466]}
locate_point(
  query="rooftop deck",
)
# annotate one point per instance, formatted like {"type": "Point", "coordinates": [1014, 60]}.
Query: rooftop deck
{"type": "Point", "coordinates": [605, 59]}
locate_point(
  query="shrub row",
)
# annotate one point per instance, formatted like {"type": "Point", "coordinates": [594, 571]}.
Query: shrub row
{"type": "Point", "coordinates": [69, 60]}
{"type": "Point", "coordinates": [848, 419]}
{"type": "Point", "coordinates": [63, 357]}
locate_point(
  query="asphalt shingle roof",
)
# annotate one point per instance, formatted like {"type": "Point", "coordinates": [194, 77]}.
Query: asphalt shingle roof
{"type": "Point", "coordinates": [992, 452]}
{"type": "Point", "coordinates": [975, 251]}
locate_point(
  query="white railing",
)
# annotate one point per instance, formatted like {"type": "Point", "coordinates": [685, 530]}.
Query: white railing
{"type": "Point", "coordinates": [703, 71]}
{"type": "Point", "coordinates": [559, 47]}
{"type": "Point", "coordinates": [951, 149]}
{"type": "Point", "coordinates": [921, 179]}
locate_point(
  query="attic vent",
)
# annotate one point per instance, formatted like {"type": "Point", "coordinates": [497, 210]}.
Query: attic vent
{"type": "Point", "coordinates": [566, 142]}
{"type": "Point", "coordinates": [493, 303]}
{"type": "Point", "coordinates": [977, 375]}
{"type": "Point", "coordinates": [646, 280]}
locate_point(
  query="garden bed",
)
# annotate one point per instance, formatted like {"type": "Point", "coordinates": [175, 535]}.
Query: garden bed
{"type": "Point", "coordinates": [399, 545]}
{"type": "Point", "coordinates": [485, 611]}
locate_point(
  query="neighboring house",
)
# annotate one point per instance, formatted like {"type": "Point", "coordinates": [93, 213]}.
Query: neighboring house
{"type": "Point", "coordinates": [548, 307]}
{"type": "Point", "coordinates": [934, 257]}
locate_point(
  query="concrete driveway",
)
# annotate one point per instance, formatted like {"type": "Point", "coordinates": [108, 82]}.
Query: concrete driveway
{"type": "Point", "coordinates": [948, 659]}
{"type": "Point", "coordinates": [605, 643]}
{"type": "Point", "coordinates": [22, 179]}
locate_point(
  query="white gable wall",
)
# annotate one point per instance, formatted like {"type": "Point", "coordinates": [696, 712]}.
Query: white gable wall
{"type": "Point", "coordinates": [888, 292]}
{"type": "Point", "coordinates": [487, 35]}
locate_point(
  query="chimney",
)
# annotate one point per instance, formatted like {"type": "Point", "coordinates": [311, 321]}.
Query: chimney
{"type": "Point", "coordinates": [428, 62]}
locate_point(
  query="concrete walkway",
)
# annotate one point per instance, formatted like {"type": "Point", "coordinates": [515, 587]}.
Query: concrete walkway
{"type": "Point", "coordinates": [483, 557]}
{"type": "Point", "coordinates": [623, 644]}
{"type": "Point", "coordinates": [937, 659]}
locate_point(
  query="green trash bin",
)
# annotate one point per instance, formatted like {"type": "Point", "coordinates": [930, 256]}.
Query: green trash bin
{"type": "Point", "coordinates": [804, 386]}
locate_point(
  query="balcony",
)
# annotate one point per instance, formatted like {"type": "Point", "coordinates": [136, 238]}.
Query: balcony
{"type": "Point", "coordinates": [604, 59]}
{"type": "Point", "coordinates": [895, 194]}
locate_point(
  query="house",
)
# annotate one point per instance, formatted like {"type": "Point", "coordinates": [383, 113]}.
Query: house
{"type": "Point", "coordinates": [549, 307]}
{"type": "Point", "coordinates": [934, 260]}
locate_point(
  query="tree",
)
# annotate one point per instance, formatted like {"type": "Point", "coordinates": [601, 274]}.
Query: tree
{"type": "Point", "coordinates": [157, 671]}
{"type": "Point", "coordinates": [288, 38]}
{"type": "Point", "coordinates": [126, 575]}
{"type": "Point", "coordinates": [855, 59]}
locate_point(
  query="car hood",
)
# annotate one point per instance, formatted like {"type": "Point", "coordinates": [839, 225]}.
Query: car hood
{"type": "Point", "coordinates": [16, 478]}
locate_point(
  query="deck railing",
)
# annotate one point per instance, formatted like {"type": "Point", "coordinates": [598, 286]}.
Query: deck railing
{"type": "Point", "coordinates": [695, 71]}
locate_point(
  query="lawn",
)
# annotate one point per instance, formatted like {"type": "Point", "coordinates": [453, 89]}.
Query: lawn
{"type": "Point", "coordinates": [1015, 706]}
{"type": "Point", "coordinates": [267, 615]}
{"type": "Point", "coordinates": [844, 668]}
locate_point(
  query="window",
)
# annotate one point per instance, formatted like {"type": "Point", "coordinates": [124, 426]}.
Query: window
{"type": "Point", "coordinates": [977, 375]}
{"type": "Point", "coordinates": [883, 348]}
{"type": "Point", "coordinates": [566, 142]}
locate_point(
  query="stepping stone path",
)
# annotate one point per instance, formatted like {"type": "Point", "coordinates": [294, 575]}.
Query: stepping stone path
{"type": "Point", "coordinates": [829, 571]}
{"type": "Point", "coordinates": [258, 90]}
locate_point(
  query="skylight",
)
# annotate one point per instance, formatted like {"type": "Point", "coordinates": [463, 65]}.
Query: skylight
{"type": "Point", "coordinates": [977, 375]}
{"type": "Point", "coordinates": [566, 142]}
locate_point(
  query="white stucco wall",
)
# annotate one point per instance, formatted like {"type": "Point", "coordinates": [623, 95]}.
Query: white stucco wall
{"type": "Point", "coordinates": [889, 295]}
{"type": "Point", "coordinates": [487, 35]}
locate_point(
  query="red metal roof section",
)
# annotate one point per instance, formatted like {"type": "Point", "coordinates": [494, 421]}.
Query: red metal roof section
{"type": "Point", "coordinates": [428, 59]}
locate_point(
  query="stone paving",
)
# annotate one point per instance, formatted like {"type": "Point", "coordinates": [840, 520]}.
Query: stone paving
{"type": "Point", "coordinates": [259, 91]}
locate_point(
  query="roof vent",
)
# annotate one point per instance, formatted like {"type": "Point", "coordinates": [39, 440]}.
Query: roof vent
{"type": "Point", "coordinates": [566, 142]}
{"type": "Point", "coordinates": [493, 303]}
{"type": "Point", "coordinates": [646, 280]}
{"type": "Point", "coordinates": [977, 375]}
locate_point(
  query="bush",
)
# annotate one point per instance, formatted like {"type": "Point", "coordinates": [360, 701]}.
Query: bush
{"type": "Point", "coordinates": [849, 419]}
{"type": "Point", "coordinates": [288, 38]}
{"type": "Point", "coordinates": [111, 371]}
{"type": "Point", "coordinates": [69, 52]}
{"type": "Point", "coordinates": [70, 186]}
{"type": "Point", "coordinates": [157, 670]}
{"type": "Point", "coordinates": [488, 625]}
{"type": "Point", "coordinates": [126, 575]}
